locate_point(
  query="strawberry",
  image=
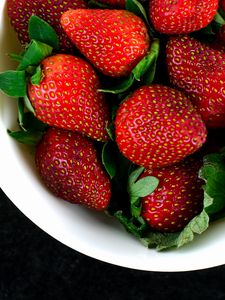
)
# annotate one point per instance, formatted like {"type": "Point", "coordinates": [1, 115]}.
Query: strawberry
{"type": "Point", "coordinates": [199, 70]}
{"type": "Point", "coordinates": [179, 17]}
{"type": "Point", "coordinates": [114, 41]}
{"type": "Point", "coordinates": [19, 13]}
{"type": "Point", "coordinates": [178, 197]}
{"type": "Point", "coordinates": [67, 96]}
{"type": "Point", "coordinates": [69, 166]}
{"type": "Point", "coordinates": [158, 126]}
{"type": "Point", "coordinates": [113, 3]}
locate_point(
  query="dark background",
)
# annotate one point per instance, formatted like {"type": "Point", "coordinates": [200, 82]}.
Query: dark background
{"type": "Point", "coordinates": [33, 265]}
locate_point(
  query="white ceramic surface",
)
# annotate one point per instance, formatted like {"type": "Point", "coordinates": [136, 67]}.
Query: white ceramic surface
{"type": "Point", "coordinates": [92, 234]}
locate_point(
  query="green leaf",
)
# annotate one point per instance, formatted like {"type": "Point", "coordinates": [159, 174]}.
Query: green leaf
{"type": "Point", "coordinates": [36, 78]}
{"type": "Point", "coordinates": [141, 188]}
{"type": "Point", "coordinates": [148, 63]}
{"type": "Point", "coordinates": [135, 207]}
{"type": "Point", "coordinates": [108, 153]}
{"type": "Point", "coordinates": [21, 107]}
{"type": "Point", "coordinates": [144, 70]}
{"type": "Point", "coordinates": [213, 173]}
{"type": "Point", "coordinates": [31, 128]}
{"type": "Point", "coordinates": [136, 228]}
{"type": "Point", "coordinates": [164, 241]}
{"type": "Point", "coordinates": [111, 127]}
{"type": "Point", "coordinates": [160, 241]}
{"type": "Point", "coordinates": [218, 18]}
{"type": "Point", "coordinates": [136, 7]}
{"type": "Point", "coordinates": [196, 226]}
{"type": "Point", "coordinates": [144, 186]}
{"type": "Point", "coordinates": [16, 57]}
{"type": "Point", "coordinates": [41, 31]}
{"type": "Point", "coordinates": [28, 104]}
{"type": "Point", "coordinates": [29, 137]}
{"type": "Point", "coordinates": [34, 54]}
{"type": "Point", "coordinates": [134, 176]}
{"type": "Point", "coordinates": [13, 83]}
{"type": "Point", "coordinates": [31, 122]}
{"type": "Point", "coordinates": [121, 87]}
{"type": "Point", "coordinates": [110, 130]}
{"type": "Point", "coordinates": [149, 73]}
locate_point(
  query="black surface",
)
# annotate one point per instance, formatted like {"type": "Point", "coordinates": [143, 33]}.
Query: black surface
{"type": "Point", "coordinates": [35, 266]}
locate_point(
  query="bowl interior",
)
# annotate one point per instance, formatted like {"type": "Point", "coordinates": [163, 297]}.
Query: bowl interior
{"type": "Point", "coordinates": [91, 233]}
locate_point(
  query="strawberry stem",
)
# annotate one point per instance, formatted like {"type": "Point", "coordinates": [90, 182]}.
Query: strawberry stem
{"type": "Point", "coordinates": [41, 31]}
{"type": "Point", "coordinates": [219, 19]}
{"type": "Point", "coordinates": [34, 54]}
{"type": "Point", "coordinates": [13, 83]}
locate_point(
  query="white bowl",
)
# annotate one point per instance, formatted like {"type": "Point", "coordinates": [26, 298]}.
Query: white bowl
{"type": "Point", "coordinates": [93, 234]}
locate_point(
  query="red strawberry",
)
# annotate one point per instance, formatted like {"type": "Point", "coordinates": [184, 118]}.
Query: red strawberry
{"type": "Point", "coordinates": [177, 199]}
{"type": "Point", "coordinates": [158, 126]}
{"type": "Point", "coordinates": [20, 12]}
{"type": "Point", "coordinates": [181, 16]}
{"type": "Point", "coordinates": [114, 3]}
{"type": "Point", "coordinates": [199, 70]}
{"type": "Point", "coordinates": [69, 166]}
{"type": "Point", "coordinates": [114, 41]}
{"type": "Point", "coordinates": [67, 96]}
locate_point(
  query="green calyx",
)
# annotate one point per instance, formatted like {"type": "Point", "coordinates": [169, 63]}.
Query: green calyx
{"type": "Point", "coordinates": [213, 174]}
{"type": "Point", "coordinates": [14, 82]}
{"type": "Point", "coordinates": [34, 54]}
{"type": "Point", "coordinates": [43, 41]}
{"type": "Point", "coordinates": [31, 129]}
{"type": "Point", "coordinates": [144, 71]}
{"type": "Point", "coordinates": [41, 31]}
{"type": "Point", "coordinates": [137, 8]}
{"type": "Point", "coordinates": [138, 189]}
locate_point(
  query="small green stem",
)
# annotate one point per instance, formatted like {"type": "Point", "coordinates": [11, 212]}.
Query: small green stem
{"type": "Point", "coordinates": [219, 19]}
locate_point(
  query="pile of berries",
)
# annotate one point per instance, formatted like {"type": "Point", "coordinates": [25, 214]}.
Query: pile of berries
{"type": "Point", "coordinates": [124, 106]}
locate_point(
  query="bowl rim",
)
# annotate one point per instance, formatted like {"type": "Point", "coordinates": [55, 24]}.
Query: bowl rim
{"type": "Point", "coordinates": [122, 249]}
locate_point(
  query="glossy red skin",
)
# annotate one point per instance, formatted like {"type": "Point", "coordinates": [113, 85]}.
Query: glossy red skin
{"type": "Point", "coordinates": [158, 126]}
{"type": "Point", "coordinates": [199, 70]}
{"type": "Point", "coordinates": [19, 13]}
{"type": "Point", "coordinates": [67, 97]}
{"type": "Point", "coordinates": [181, 16]}
{"type": "Point", "coordinates": [69, 166]}
{"type": "Point", "coordinates": [178, 197]}
{"type": "Point", "coordinates": [114, 41]}
{"type": "Point", "coordinates": [113, 3]}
